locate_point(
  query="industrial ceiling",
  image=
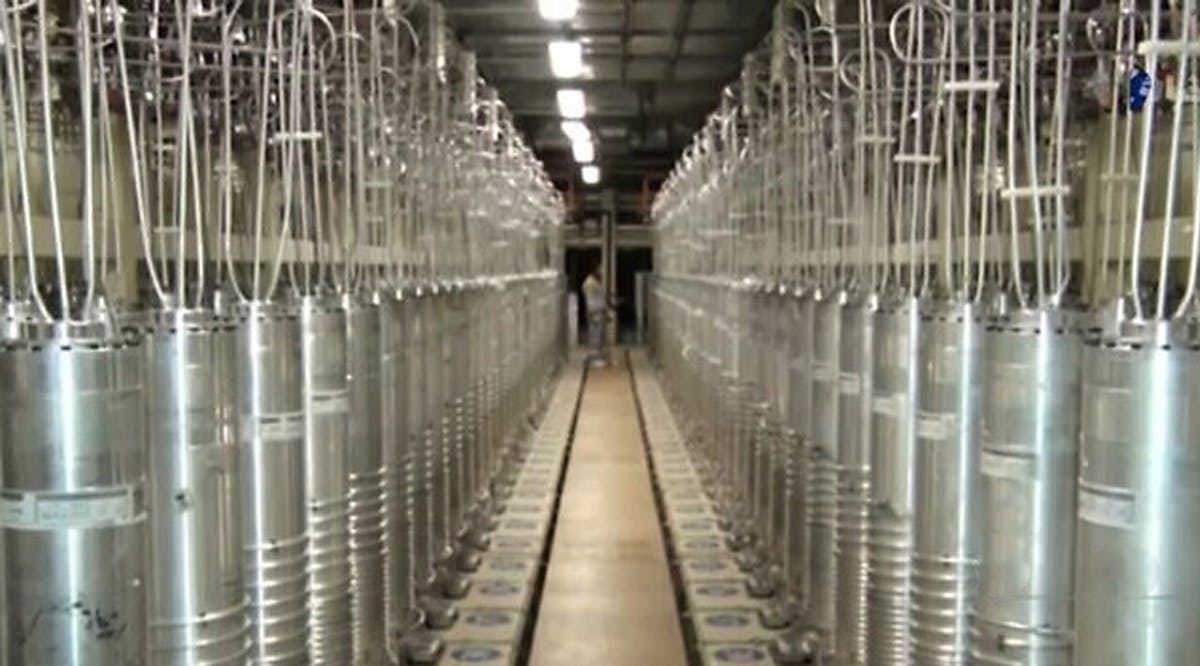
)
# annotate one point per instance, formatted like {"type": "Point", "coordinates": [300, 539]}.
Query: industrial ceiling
{"type": "Point", "coordinates": [653, 69]}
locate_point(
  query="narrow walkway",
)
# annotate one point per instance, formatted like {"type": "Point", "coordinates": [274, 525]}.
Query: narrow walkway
{"type": "Point", "coordinates": [608, 598]}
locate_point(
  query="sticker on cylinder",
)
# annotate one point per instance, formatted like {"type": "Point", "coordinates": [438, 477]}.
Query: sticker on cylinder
{"type": "Point", "coordinates": [851, 383]}
{"type": "Point", "coordinates": [889, 405]}
{"type": "Point", "coordinates": [329, 402]}
{"type": "Point", "coordinates": [280, 427]}
{"type": "Point", "coordinates": [823, 372]}
{"type": "Point", "coordinates": [54, 511]}
{"type": "Point", "coordinates": [1007, 465]}
{"type": "Point", "coordinates": [934, 425]}
{"type": "Point", "coordinates": [1111, 509]}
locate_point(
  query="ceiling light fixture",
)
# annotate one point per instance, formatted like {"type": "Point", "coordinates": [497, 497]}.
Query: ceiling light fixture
{"type": "Point", "coordinates": [572, 104]}
{"type": "Point", "coordinates": [576, 130]}
{"type": "Point", "coordinates": [584, 151]}
{"type": "Point", "coordinates": [591, 175]}
{"type": "Point", "coordinates": [558, 10]}
{"type": "Point", "coordinates": [566, 59]}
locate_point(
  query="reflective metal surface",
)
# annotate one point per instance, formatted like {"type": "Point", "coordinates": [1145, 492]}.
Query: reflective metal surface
{"type": "Point", "coordinates": [855, 394]}
{"type": "Point", "coordinates": [198, 606]}
{"type": "Point", "coordinates": [398, 487]}
{"type": "Point", "coordinates": [367, 366]}
{"type": "Point", "coordinates": [821, 501]}
{"type": "Point", "coordinates": [274, 511]}
{"type": "Point", "coordinates": [947, 517]}
{"type": "Point", "coordinates": [327, 478]}
{"type": "Point", "coordinates": [1030, 431]}
{"type": "Point", "coordinates": [893, 440]}
{"type": "Point", "coordinates": [75, 498]}
{"type": "Point", "coordinates": [1137, 592]}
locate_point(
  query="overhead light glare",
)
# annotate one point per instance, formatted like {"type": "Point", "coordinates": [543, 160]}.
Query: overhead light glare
{"type": "Point", "coordinates": [591, 175]}
{"type": "Point", "coordinates": [558, 10]}
{"type": "Point", "coordinates": [576, 130]}
{"type": "Point", "coordinates": [571, 104]}
{"type": "Point", "coordinates": [566, 59]}
{"type": "Point", "coordinates": [584, 151]}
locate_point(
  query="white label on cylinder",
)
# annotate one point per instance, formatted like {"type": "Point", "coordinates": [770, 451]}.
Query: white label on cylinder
{"type": "Point", "coordinates": [1107, 509]}
{"type": "Point", "coordinates": [276, 427]}
{"type": "Point", "coordinates": [851, 383]}
{"type": "Point", "coordinates": [56, 511]}
{"type": "Point", "coordinates": [884, 405]}
{"type": "Point", "coordinates": [889, 405]}
{"type": "Point", "coordinates": [823, 372]}
{"type": "Point", "coordinates": [331, 402]}
{"type": "Point", "coordinates": [1006, 466]}
{"type": "Point", "coordinates": [934, 425]}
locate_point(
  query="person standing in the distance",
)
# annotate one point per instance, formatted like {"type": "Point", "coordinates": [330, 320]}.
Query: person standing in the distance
{"type": "Point", "coordinates": [597, 315]}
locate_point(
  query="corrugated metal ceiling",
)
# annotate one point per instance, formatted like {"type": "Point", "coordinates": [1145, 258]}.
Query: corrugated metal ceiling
{"type": "Point", "coordinates": [654, 69]}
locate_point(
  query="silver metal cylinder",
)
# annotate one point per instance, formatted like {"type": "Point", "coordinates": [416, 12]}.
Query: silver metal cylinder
{"type": "Point", "coordinates": [367, 472]}
{"type": "Point", "coordinates": [855, 379]}
{"type": "Point", "coordinates": [394, 436]}
{"type": "Point", "coordinates": [822, 471]}
{"type": "Point", "coordinates": [454, 435]}
{"type": "Point", "coordinates": [422, 395]}
{"type": "Point", "coordinates": [74, 512]}
{"type": "Point", "coordinates": [1023, 613]}
{"type": "Point", "coordinates": [1137, 586]}
{"type": "Point", "coordinates": [893, 438]}
{"type": "Point", "coordinates": [946, 515]}
{"type": "Point", "coordinates": [799, 419]}
{"type": "Point", "coordinates": [274, 526]}
{"type": "Point", "coordinates": [198, 608]}
{"type": "Point", "coordinates": [327, 479]}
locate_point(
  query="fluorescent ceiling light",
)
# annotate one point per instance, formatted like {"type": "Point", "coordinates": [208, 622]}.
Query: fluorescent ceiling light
{"type": "Point", "coordinates": [576, 130]}
{"type": "Point", "coordinates": [572, 104]}
{"type": "Point", "coordinates": [566, 59]}
{"type": "Point", "coordinates": [558, 10]}
{"type": "Point", "coordinates": [584, 151]}
{"type": "Point", "coordinates": [591, 175]}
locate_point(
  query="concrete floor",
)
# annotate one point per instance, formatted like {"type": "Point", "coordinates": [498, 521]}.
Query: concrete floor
{"type": "Point", "coordinates": [608, 598]}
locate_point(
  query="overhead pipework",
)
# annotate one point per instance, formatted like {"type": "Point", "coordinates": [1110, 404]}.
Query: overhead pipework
{"type": "Point", "coordinates": [253, 415]}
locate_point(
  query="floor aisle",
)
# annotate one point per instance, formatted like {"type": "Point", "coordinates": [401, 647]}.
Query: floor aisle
{"type": "Point", "coordinates": [608, 597]}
